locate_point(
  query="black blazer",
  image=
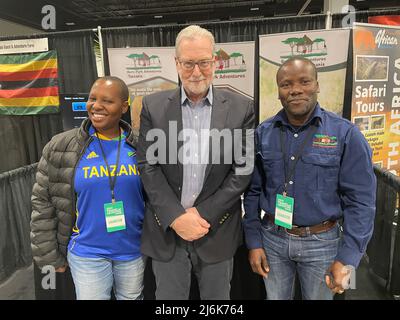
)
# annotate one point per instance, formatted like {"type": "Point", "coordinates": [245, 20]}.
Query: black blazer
{"type": "Point", "coordinates": [219, 201]}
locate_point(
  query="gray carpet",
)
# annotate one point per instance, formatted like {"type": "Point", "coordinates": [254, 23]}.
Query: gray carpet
{"type": "Point", "coordinates": [19, 286]}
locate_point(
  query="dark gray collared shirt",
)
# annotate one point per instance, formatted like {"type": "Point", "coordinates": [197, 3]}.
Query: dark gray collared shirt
{"type": "Point", "coordinates": [196, 119]}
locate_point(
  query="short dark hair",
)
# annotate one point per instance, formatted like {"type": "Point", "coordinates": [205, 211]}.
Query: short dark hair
{"type": "Point", "coordinates": [123, 88]}
{"type": "Point", "coordinates": [298, 58]}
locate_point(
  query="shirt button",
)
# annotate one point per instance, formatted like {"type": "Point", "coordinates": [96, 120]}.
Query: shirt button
{"type": "Point", "coordinates": [292, 158]}
{"type": "Point", "coordinates": [295, 135]}
{"type": "Point", "coordinates": [194, 175]}
{"type": "Point", "coordinates": [196, 155]}
{"type": "Point", "coordinates": [290, 182]}
{"type": "Point", "coordinates": [195, 117]}
{"type": "Point", "coordinates": [194, 196]}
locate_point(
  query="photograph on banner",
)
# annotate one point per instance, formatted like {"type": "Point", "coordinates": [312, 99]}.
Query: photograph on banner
{"type": "Point", "coordinates": [327, 49]}
{"type": "Point", "coordinates": [145, 71]}
{"type": "Point", "coordinates": [376, 91]}
{"type": "Point", "coordinates": [235, 67]}
{"type": "Point", "coordinates": [29, 83]}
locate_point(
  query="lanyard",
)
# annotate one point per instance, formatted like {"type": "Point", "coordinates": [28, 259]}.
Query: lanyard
{"type": "Point", "coordinates": [111, 180]}
{"type": "Point", "coordinates": [290, 171]}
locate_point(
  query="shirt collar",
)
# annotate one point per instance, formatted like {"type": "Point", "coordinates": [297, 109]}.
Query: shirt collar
{"type": "Point", "coordinates": [281, 116]}
{"type": "Point", "coordinates": [207, 99]}
{"type": "Point", "coordinates": [92, 132]}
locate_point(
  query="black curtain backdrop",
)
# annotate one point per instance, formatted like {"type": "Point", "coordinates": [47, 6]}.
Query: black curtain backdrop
{"type": "Point", "coordinates": [160, 36]}
{"type": "Point", "coordinates": [234, 31]}
{"type": "Point", "coordinates": [23, 137]}
{"type": "Point", "coordinates": [384, 248]}
{"type": "Point", "coordinates": [15, 215]}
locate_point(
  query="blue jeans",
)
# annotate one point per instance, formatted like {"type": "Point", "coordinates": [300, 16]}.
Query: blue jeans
{"type": "Point", "coordinates": [95, 277]}
{"type": "Point", "coordinates": [309, 257]}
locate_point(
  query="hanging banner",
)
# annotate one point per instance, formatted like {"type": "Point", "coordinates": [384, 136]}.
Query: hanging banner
{"type": "Point", "coordinates": [235, 67]}
{"type": "Point", "coordinates": [393, 20]}
{"type": "Point", "coordinates": [327, 49]}
{"type": "Point", "coordinates": [24, 46]}
{"type": "Point", "coordinates": [145, 71]}
{"type": "Point", "coordinates": [29, 84]}
{"type": "Point", "coordinates": [376, 91]}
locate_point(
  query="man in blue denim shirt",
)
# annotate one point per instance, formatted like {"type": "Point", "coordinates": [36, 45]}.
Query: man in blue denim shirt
{"type": "Point", "coordinates": [312, 169]}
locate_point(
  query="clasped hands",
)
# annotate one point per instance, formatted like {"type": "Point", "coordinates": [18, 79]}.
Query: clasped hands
{"type": "Point", "coordinates": [190, 226]}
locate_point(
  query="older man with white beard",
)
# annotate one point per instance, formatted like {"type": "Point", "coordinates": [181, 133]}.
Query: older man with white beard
{"type": "Point", "coordinates": [193, 205]}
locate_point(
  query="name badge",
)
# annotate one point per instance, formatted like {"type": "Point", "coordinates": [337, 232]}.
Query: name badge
{"type": "Point", "coordinates": [284, 211]}
{"type": "Point", "coordinates": [115, 217]}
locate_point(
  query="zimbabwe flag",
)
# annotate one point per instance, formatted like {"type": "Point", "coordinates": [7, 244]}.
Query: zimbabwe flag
{"type": "Point", "coordinates": [29, 83]}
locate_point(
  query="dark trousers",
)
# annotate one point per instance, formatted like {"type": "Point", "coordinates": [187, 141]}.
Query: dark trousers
{"type": "Point", "coordinates": [173, 278]}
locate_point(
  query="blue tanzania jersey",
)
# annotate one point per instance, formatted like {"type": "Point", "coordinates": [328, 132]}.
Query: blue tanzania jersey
{"type": "Point", "coordinates": [90, 238]}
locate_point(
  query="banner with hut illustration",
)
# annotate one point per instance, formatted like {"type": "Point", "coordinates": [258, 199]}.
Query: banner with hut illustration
{"type": "Point", "coordinates": [376, 91]}
{"type": "Point", "coordinates": [145, 71]}
{"type": "Point", "coordinates": [235, 67]}
{"type": "Point", "coordinates": [327, 49]}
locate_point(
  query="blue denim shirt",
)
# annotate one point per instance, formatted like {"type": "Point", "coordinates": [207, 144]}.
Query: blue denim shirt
{"type": "Point", "coordinates": [333, 178]}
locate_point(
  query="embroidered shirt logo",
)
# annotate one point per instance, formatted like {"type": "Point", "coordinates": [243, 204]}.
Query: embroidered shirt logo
{"type": "Point", "coordinates": [92, 155]}
{"type": "Point", "coordinates": [324, 141]}
{"type": "Point", "coordinates": [131, 153]}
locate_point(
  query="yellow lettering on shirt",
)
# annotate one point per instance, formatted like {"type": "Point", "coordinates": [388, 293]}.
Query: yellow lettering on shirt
{"type": "Point", "coordinates": [103, 171]}
{"type": "Point", "coordinates": [94, 172]}
{"type": "Point", "coordinates": [85, 171]}
{"type": "Point", "coordinates": [112, 170]}
{"type": "Point", "coordinates": [132, 169]}
{"type": "Point", "coordinates": [122, 171]}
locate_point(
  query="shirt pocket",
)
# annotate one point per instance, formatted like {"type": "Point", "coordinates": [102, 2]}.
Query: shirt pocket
{"type": "Point", "coordinates": [321, 171]}
{"type": "Point", "coordinates": [273, 167]}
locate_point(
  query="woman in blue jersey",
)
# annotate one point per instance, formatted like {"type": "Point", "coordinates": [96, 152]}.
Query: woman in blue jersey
{"type": "Point", "coordinates": [88, 203]}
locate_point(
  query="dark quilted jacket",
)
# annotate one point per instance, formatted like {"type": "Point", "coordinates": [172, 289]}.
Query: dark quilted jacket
{"type": "Point", "coordinates": [53, 196]}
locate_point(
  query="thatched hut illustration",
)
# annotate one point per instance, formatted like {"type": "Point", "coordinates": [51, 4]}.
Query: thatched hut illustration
{"type": "Point", "coordinates": [155, 60]}
{"type": "Point", "coordinates": [304, 45]}
{"type": "Point", "coordinates": [238, 58]}
{"type": "Point", "coordinates": [223, 59]}
{"type": "Point", "coordinates": [318, 41]}
{"type": "Point", "coordinates": [144, 60]}
{"type": "Point", "coordinates": [140, 59]}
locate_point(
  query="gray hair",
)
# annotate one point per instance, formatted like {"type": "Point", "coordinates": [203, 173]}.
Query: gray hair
{"type": "Point", "coordinates": [193, 32]}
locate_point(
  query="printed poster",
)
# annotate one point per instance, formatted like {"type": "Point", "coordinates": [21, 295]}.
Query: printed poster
{"type": "Point", "coordinates": [327, 49]}
{"type": "Point", "coordinates": [145, 71]}
{"type": "Point", "coordinates": [235, 67]}
{"type": "Point", "coordinates": [376, 91]}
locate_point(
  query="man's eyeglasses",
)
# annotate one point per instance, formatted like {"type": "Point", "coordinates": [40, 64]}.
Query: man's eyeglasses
{"type": "Point", "coordinates": [203, 64]}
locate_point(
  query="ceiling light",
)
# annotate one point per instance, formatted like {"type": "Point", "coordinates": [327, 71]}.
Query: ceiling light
{"type": "Point", "coordinates": [254, 9]}
{"type": "Point", "coordinates": [70, 23]}
{"type": "Point", "coordinates": [158, 17]}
